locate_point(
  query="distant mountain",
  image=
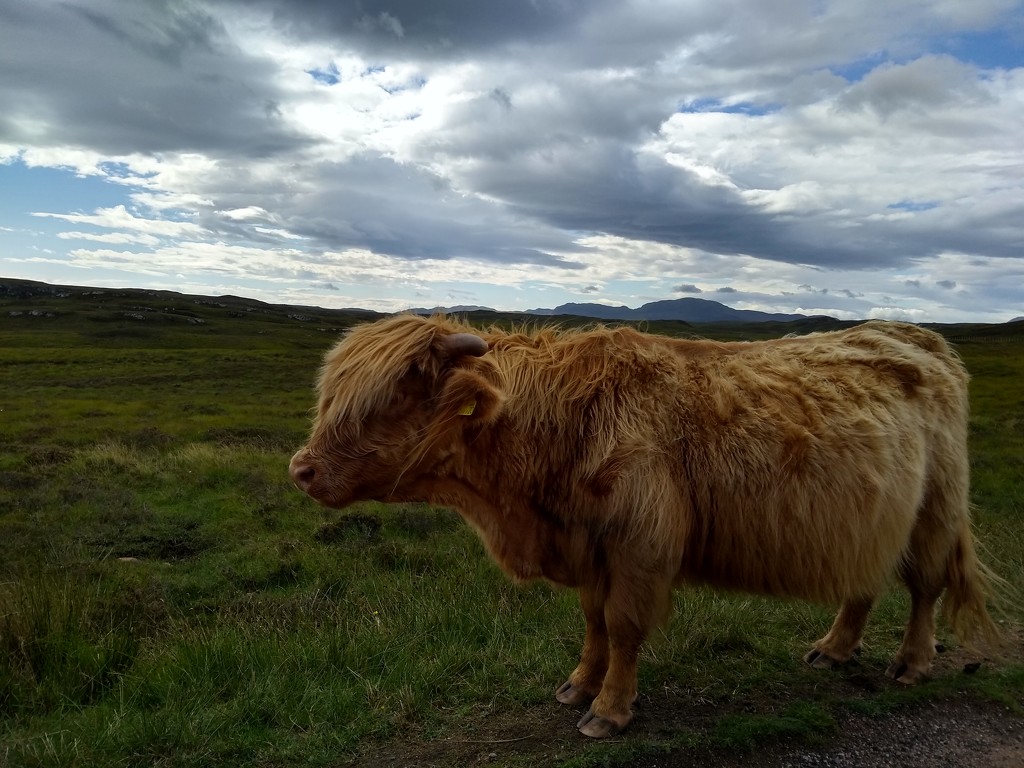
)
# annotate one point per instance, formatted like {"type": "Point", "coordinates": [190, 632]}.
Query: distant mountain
{"type": "Point", "coordinates": [459, 308]}
{"type": "Point", "coordinates": [597, 311]}
{"type": "Point", "coordinates": [688, 310]}
{"type": "Point", "coordinates": [31, 300]}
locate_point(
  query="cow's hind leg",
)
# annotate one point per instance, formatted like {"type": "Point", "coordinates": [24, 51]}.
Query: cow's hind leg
{"type": "Point", "coordinates": [584, 683]}
{"type": "Point", "coordinates": [925, 573]}
{"type": "Point", "coordinates": [914, 660]}
{"type": "Point", "coordinates": [843, 640]}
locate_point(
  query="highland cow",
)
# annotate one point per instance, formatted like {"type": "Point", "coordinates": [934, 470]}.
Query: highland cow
{"type": "Point", "coordinates": [620, 464]}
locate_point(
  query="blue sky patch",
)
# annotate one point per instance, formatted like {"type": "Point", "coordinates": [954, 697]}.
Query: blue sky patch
{"type": "Point", "coordinates": [328, 76]}
{"type": "Point", "coordinates": [24, 190]}
{"type": "Point", "coordinates": [736, 108]}
{"type": "Point", "coordinates": [999, 48]}
{"type": "Point", "coordinates": [855, 71]}
{"type": "Point", "coordinates": [913, 206]}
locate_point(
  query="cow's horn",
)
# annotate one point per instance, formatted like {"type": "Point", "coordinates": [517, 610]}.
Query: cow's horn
{"type": "Point", "coordinates": [456, 344]}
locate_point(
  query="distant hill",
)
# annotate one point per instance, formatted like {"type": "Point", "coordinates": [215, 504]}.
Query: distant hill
{"type": "Point", "coordinates": [153, 301]}
{"type": "Point", "coordinates": [82, 307]}
{"type": "Point", "coordinates": [74, 315]}
{"type": "Point", "coordinates": [689, 310]}
{"type": "Point", "coordinates": [459, 309]}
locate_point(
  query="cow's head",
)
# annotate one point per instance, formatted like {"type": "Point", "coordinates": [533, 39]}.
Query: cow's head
{"type": "Point", "coordinates": [396, 398]}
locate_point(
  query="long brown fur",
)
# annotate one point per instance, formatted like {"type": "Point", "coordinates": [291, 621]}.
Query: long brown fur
{"type": "Point", "coordinates": [621, 463]}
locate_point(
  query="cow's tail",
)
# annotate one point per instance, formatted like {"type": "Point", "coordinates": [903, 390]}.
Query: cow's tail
{"type": "Point", "coordinates": [970, 586]}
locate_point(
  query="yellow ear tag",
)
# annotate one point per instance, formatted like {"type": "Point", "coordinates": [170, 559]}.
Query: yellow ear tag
{"type": "Point", "coordinates": [468, 408]}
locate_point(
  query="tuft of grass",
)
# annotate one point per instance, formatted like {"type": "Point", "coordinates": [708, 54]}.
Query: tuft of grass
{"type": "Point", "coordinates": [63, 645]}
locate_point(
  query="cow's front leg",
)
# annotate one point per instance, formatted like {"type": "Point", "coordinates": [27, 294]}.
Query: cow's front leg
{"type": "Point", "coordinates": [584, 683]}
{"type": "Point", "coordinates": [612, 710]}
{"type": "Point", "coordinates": [636, 602]}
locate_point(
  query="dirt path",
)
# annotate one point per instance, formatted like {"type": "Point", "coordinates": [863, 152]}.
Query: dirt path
{"type": "Point", "coordinates": [959, 730]}
{"type": "Point", "coordinates": [962, 732]}
{"type": "Point", "coordinates": [956, 733]}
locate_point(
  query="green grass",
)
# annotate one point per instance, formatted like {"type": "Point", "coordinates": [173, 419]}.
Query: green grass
{"type": "Point", "coordinates": [167, 598]}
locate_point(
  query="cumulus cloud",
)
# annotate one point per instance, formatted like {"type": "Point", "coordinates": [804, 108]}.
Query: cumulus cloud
{"type": "Point", "coordinates": [119, 217]}
{"type": "Point", "coordinates": [926, 84]}
{"type": "Point", "coordinates": [111, 237]}
{"type": "Point", "coordinates": [613, 148]}
{"type": "Point", "coordinates": [139, 78]}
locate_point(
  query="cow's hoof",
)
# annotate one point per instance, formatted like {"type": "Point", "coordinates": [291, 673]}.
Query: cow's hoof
{"type": "Point", "coordinates": [901, 672]}
{"type": "Point", "coordinates": [821, 660]}
{"type": "Point", "coordinates": [601, 727]}
{"type": "Point", "coordinates": [571, 695]}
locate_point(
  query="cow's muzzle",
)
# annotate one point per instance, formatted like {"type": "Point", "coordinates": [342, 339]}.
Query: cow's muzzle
{"type": "Point", "coordinates": [302, 471]}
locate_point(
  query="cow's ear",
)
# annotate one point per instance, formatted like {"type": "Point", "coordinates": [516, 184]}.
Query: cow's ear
{"type": "Point", "coordinates": [469, 398]}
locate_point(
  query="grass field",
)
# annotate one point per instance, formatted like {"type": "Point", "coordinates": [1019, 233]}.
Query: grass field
{"type": "Point", "coordinates": [167, 598]}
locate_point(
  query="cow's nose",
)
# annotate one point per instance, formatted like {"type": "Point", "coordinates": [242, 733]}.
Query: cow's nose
{"type": "Point", "coordinates": [302, 475]}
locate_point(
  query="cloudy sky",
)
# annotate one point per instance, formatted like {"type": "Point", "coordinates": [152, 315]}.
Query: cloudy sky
{"type": "Point", "coordinates": [861, 158]}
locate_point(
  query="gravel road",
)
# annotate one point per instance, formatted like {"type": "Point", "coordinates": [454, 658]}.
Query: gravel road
{"type": "Point", "coordinates": [954, 733]}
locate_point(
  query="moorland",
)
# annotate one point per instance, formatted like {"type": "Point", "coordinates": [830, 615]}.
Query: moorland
{"type": "Point", "coordinates": [168, 598]}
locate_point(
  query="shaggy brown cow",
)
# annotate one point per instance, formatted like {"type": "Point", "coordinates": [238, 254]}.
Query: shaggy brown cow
{"type": "Point", "coordinates": [621, 463]}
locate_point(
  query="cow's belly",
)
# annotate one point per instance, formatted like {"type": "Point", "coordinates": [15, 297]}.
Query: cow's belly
{"type": "Point", "coordinates": [832, 525]}
{"type": "Point", "coordinates": [819, 553]}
